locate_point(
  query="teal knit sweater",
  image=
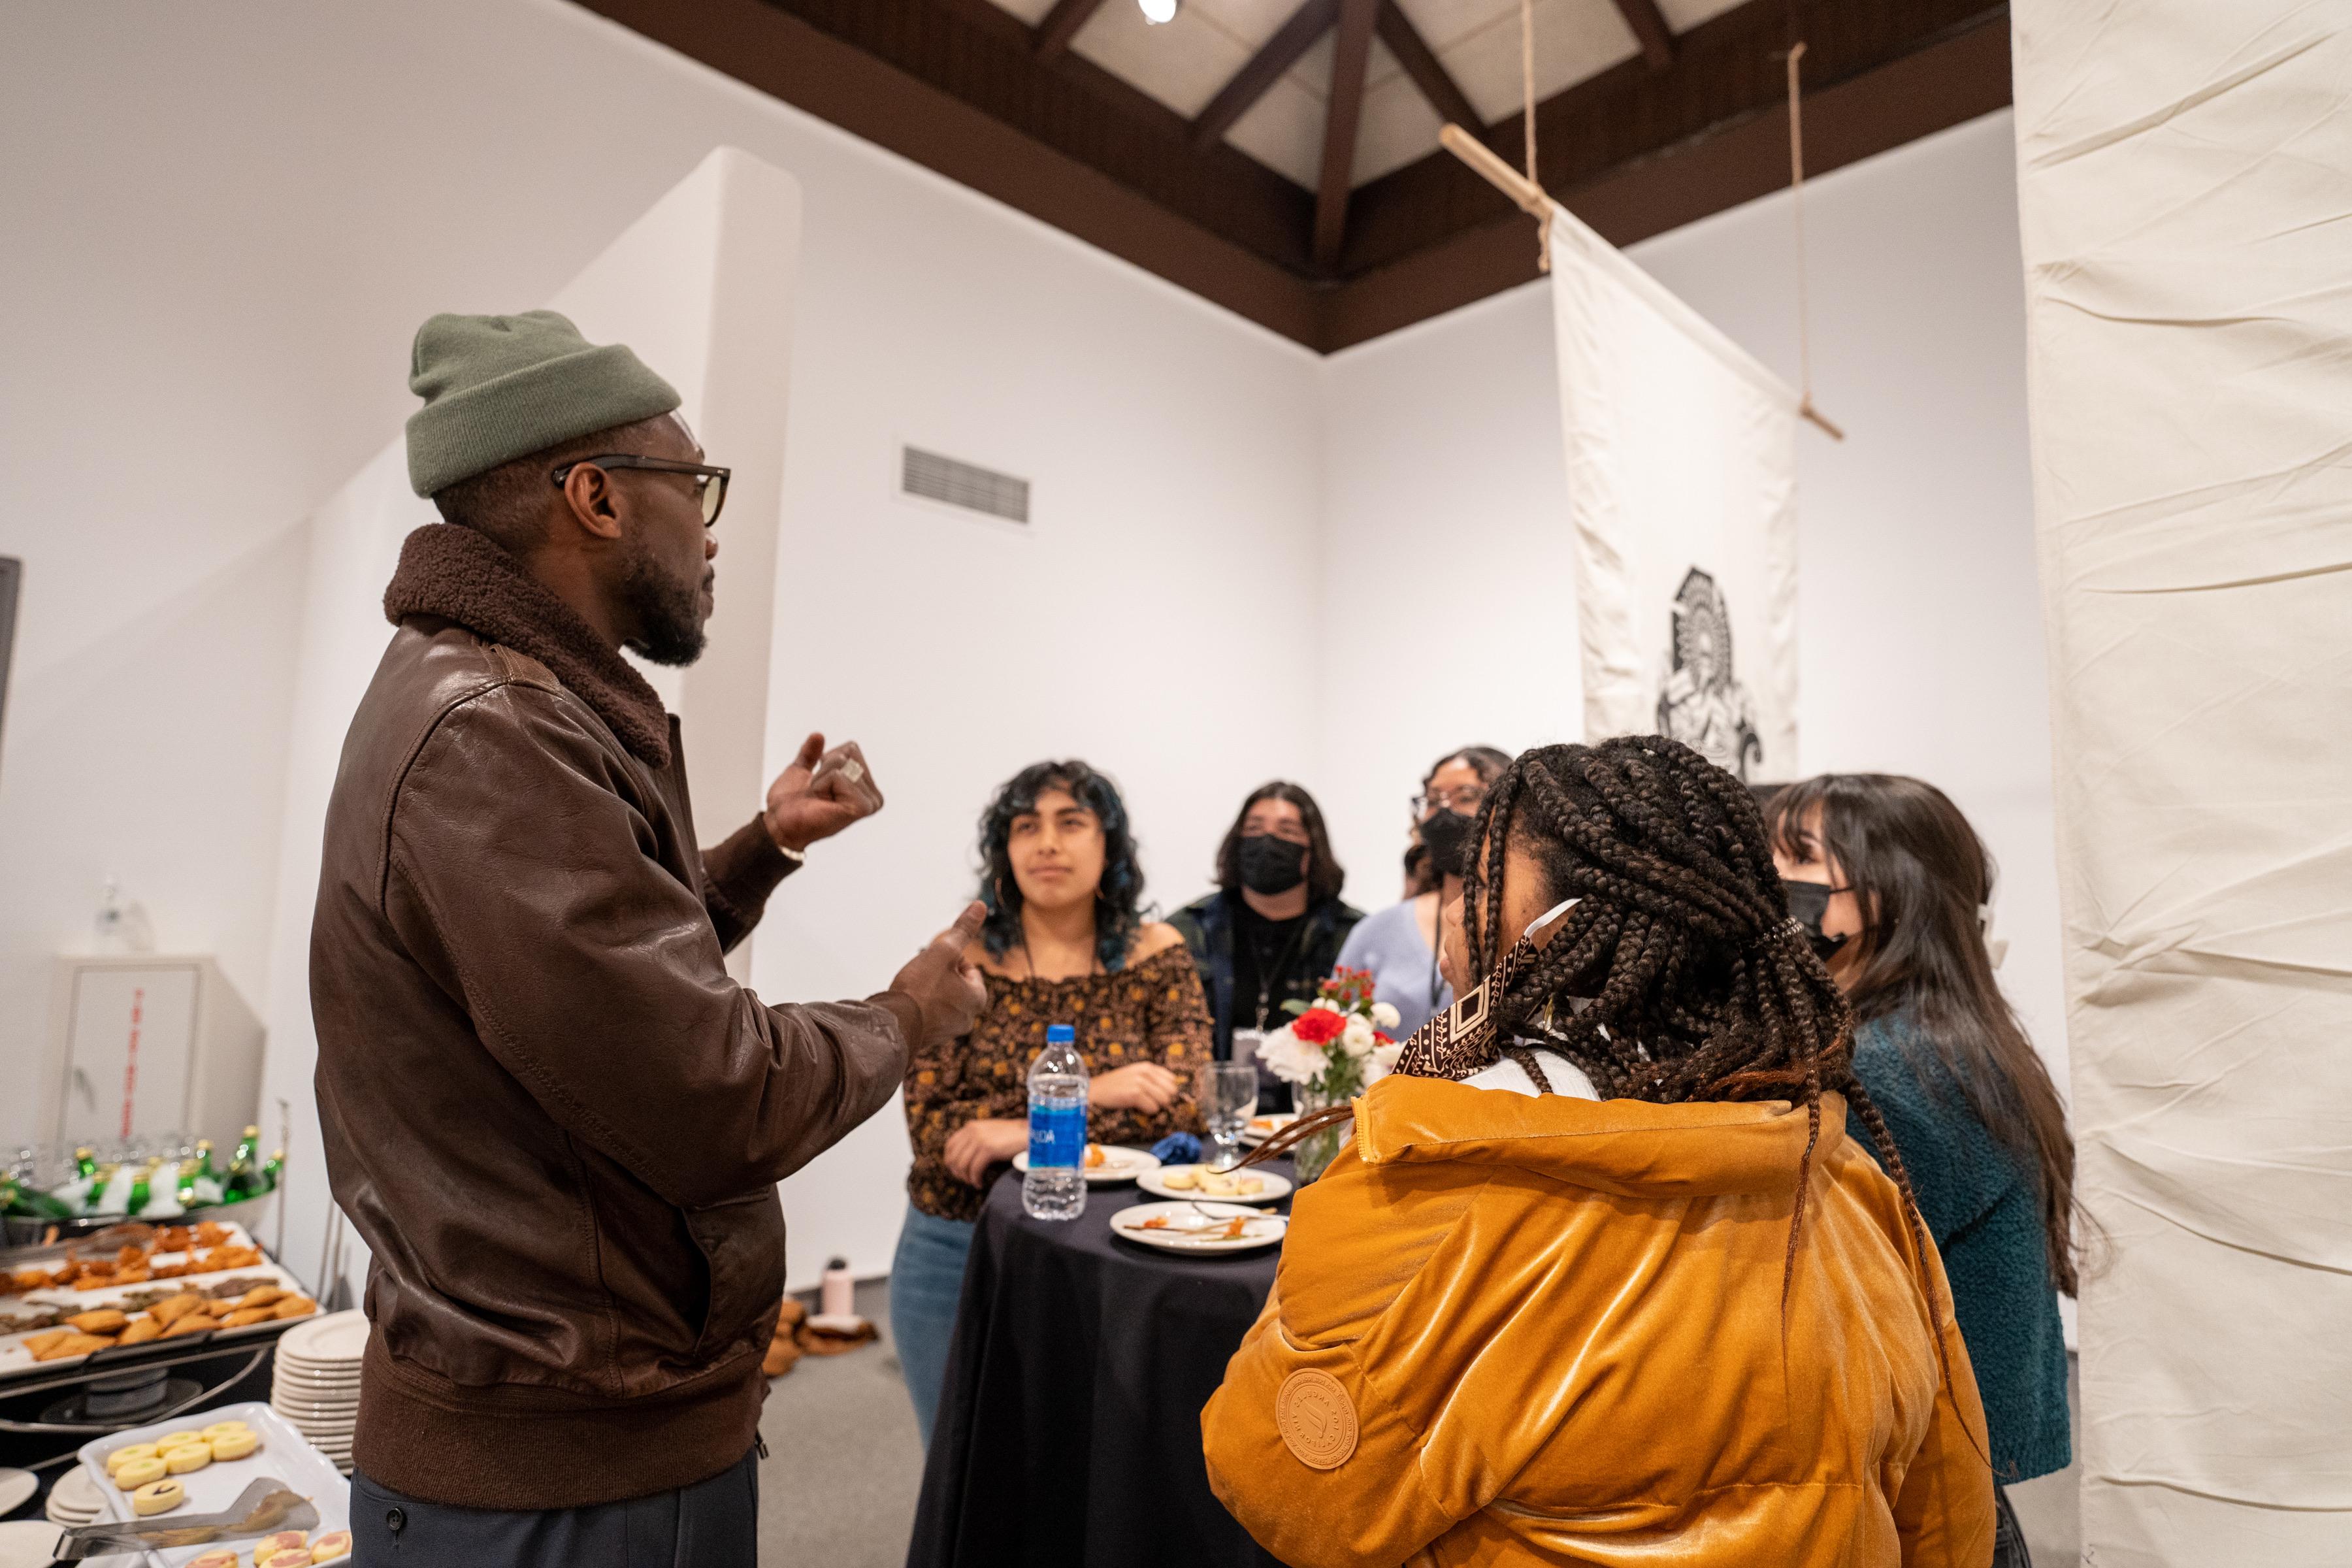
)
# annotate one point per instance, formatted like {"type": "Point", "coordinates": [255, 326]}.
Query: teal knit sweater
{"type": "Point", "coordinates": [1985, 1214]}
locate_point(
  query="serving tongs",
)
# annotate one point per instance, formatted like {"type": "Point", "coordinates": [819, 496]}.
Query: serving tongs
{"type": "Point", "coordinates": [264, 1508]}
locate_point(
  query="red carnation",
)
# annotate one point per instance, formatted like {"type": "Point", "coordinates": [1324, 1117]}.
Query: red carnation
{"type": "Point", "coordinates": [1318, 1025]}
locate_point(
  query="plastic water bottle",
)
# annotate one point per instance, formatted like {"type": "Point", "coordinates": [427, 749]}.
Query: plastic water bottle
{"type": "Point", "coordinates": [1054, 1185]}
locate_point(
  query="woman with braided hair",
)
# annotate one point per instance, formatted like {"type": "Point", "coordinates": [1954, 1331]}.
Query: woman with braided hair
{"type": "Point", "coordinates": [1602, 1279]}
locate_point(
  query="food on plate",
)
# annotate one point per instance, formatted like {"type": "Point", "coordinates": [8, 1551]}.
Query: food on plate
{"type": "Point", "coordinates": [157, 1497]}
{"type": "Point", "coordinates": [194, 1323]}
{"type": "Point", "coordinates": [260, 1296]}
{"type": "Point", "coordinates": [171, 1308]}
{"type": "Point", "coordinates": [294, 1306]}
{"type": "Point", "coordinates": [38, 1344]}
{"type": "Point", "coordinates": [188, 1457]}
{"type": "Point", "coordinates": [283, 1541]}
{"type": "Point", "coordinates": [1221, 1185]}
{"type": "Point", "coordinates": [73, 1344]}
{"type": "Point", "coordinates": [1096, 1158]}
{"type": "Point", "coordinates": [140, 1332]}
{"type": "Point", "coordinates": [249, 1315]}
{"type": "Point", "coordinates": [171, 1440]}
{"type": "Point", "coordinates": [215, 1560]}
{"type": "Point", "coordinates": [1156, 1222]}
{"type": "Point", "coordinates": [217, 1428]}
{"type": "Point", "coordinates": [100, 1321]}
{"type": "Point", "coordinates": [331, 1546]}
{"type": "Point", "coordinates": [1234, 1228]}
{"type": "Point", "coordinates": [288, 1557]}
{"type": "Point", "coordinates": [234, 1445]}
{"type": "Point", "coordinates": [138, 1473]}
{"type": "Point", "coordinates": [130, 1452]}
{"type": "Point", "coordinates": [1181, 1178]}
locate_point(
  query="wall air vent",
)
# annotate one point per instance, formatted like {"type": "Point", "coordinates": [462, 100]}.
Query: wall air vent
{"type": "Point", "coordinates": [967, 484]}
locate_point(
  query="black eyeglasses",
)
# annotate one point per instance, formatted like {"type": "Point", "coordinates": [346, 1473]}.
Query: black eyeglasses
{"type": "Point", "coordinates": [711, 484]}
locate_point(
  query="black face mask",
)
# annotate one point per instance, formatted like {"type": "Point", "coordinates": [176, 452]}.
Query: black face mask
{"type": "Point", "coordinates": [1446, 836]}
{"type": "Point", "coordinates": [1808, 903]}
{"type": "Point", "coordinates": [1269, 865]}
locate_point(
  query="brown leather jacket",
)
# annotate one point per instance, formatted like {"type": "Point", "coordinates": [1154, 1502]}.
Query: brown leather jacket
{"type": "Point", "coordinates": [1510, 1329]}
{"type": "Point", "coordinates": [553, 1117]}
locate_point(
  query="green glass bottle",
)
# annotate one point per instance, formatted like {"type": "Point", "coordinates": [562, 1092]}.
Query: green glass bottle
{"type": "Point", "coordinates": [241, 1173]}
{"type": "Point", "coordinates": [140, 1189]}
{"type": "Point", "coordinates": [204, 1160]}
{"type": "Point", "coordinates": [85, 1161]}
{"type": "Point", "coordinates": [275, 1164]}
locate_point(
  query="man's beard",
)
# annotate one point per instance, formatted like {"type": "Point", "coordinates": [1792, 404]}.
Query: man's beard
{"type": "Point", "coordinates": [669, 613]}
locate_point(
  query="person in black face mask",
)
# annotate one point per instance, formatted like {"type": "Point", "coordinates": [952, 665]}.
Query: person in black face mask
{"type": "Point", "coordinates": [1274, 928]}
{"type": "Point", "coordinates": [1399, 945]}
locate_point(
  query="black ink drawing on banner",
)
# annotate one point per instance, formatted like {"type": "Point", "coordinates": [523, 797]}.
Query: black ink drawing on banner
{"type": "Point", "coordinates": [1701, 704]}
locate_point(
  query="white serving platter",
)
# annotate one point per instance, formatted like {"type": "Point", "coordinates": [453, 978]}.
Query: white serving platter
{"type": "Point", "coordinates": [1121, 1163]}
{"type": "Point", "coordinates": [1194, 1227]}
{"type": "Point", "coordinates": [15, 1360]}
{"type": "Point", "coordinates": [284, 1456]}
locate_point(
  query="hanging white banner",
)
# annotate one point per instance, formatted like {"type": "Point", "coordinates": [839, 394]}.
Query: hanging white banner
{"type": "Point", "coordinates": [1682, 457]}
{"type": "Point", "coordinates": [2182, 183]}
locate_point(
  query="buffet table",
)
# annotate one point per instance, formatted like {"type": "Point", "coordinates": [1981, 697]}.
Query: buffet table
{"type": "Point", "coordinates": [1069, 1428]}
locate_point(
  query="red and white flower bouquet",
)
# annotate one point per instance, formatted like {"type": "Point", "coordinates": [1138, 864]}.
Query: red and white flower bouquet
{"type": "Point", "coordinates": [1332, 1049]}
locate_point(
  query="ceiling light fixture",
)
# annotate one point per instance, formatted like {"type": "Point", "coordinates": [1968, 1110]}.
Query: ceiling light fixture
{"type": "Point", "coordinates": [1158, 11]}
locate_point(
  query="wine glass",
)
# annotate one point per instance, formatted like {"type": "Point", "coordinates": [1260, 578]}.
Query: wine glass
{"type": "Point", "coordinates": [1227, 1092]}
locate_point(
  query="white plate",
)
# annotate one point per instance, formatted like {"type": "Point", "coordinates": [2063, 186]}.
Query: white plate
{"type": "Point", "coordinates": [16, 1485]}
{"type": "Point", "coordinates": [284, 1455]}
{"type": "Point", "coordinates": [76, 1498]}
{"type": "Point", "coordinates": [1273, 1190]}
{"type": "Point", "coordinates": [327, 1344]}
{"type": "Point", "coordinates": [28, 1543]}
{"type": "Point", "coordinates": [288, 1377]}
{"type": "Point", "coordinates": [1185, 1221]}
{"type": "Point", "coordinates": [1121, 1163]}
{"type": "Point", "coordinates": [1258, 1129]}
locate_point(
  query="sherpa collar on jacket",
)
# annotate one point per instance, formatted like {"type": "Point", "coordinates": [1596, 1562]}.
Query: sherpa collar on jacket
{"type": "Point", "coordinates": [460, 576]}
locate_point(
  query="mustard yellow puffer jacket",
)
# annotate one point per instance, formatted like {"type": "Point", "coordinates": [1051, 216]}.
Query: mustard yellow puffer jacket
{"type": "Point", "coordinates": [1512, 1329]}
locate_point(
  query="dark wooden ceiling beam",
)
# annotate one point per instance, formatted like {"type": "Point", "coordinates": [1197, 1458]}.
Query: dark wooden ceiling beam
{"type": "Point", "coordinates": [1275, 56]}
{"type": "Point", "coordinates": [1349, 61]}
{"type": "Point", "coordinates": [1427, 71]}
{"type": "Point", "coordinates": [1650, 30]}
{"type": "Point", "coordinates": [1062, 22]}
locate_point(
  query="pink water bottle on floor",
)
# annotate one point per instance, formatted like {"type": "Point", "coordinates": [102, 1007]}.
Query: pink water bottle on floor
{"type": "Point", "coordinates": [838, 1292]}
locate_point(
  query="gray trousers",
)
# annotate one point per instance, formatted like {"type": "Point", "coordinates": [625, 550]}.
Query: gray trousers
{"type": "Point", "coordinates": [710, 1525]}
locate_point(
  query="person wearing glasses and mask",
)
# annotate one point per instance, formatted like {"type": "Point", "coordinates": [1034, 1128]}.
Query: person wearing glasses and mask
{"type": "Point", "coordinates": [555, 1118]}
{"type": "Point", "coordinates": [1399, 945]}
{"type": "Point", "coordinates": [1272, 931]}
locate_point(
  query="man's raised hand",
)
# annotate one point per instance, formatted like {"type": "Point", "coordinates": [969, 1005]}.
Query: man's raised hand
{"type": "Point", "coordinates": [821, 793]}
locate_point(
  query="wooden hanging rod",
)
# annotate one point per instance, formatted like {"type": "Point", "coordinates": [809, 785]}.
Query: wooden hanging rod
{"type": "Point", "coordinates": [1529, 198]}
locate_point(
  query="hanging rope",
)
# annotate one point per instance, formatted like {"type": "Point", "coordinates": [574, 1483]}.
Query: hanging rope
{"type": "Point", "coordinates": [1527, 118]}
{"type": "Point", "coordinates": [1797, 210]}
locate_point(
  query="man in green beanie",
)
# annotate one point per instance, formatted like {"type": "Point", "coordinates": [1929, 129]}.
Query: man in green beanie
{"type": "Point", "coordinates": [554, 1117]}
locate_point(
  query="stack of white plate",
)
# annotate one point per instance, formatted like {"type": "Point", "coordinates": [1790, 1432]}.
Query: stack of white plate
{"type": "Point", "coordinates": [75, 1501]}
{"type": "Point", "coordinates": [317, 1385]}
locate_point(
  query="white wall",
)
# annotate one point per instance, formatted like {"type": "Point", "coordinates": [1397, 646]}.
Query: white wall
{"type": "Point", "coordinates": [225, 224]}
{"type": "Point", "coordinates": [225, 227]}
{"type": "Point", "coordinates": [1445, 530]}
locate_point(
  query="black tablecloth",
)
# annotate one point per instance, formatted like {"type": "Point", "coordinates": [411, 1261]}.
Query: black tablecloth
{"type": "Point", "coordinates": [1069, 1430]}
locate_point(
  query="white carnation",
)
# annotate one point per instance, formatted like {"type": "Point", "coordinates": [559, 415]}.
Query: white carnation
{"type": "Point", "coordinates": [1290, 1058]}
{"type": "Point", "coordinates": [1386, 1015]}
{"type": "Point", "coordinates": [1356, 1039]}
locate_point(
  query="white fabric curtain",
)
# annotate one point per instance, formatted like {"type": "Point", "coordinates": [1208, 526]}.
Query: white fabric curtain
{"type": "Point", "coordinates": [1682, 483]}
{"type": "Point", "coordinates": [2185, 182]}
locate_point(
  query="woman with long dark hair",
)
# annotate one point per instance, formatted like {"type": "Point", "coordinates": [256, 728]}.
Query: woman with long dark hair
{"type": "Point", "coordinates": [1895, 888]}
{"type": "Point", "coordinates": [1066, 941]}
{"type": "Point", "coordinates": [1602, 1277]}
{"type": "Point", "coordinates": [1397, 945]}
{"type": "Point", "coordinates": [1274, 928]}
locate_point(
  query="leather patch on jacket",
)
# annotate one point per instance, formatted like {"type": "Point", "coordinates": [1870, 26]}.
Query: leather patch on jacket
{"type": "Point", "coordinates": [1317, 1419]}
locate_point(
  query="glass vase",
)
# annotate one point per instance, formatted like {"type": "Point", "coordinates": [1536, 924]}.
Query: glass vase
{"type": "Point", "coordinates": [1341, 1084]}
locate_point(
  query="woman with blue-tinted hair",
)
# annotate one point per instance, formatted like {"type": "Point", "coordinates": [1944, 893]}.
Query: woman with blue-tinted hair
{"type": "Point", "coordinates": [1066, 941]}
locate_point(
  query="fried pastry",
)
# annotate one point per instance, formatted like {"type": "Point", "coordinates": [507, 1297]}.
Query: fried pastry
{"type": "Point", "coordinates": [249, 1315]}
{"type": "Point", "coordinates": [73, 1344]}
{"type": "Point", "coordinates": [141, 1330]}
{"type": "Point", "coordinates": [294, 1306]}
{"type": "Point", "coordinates": [171, 1308]}
{"type": "Point", "coordinates": [103, 1320]}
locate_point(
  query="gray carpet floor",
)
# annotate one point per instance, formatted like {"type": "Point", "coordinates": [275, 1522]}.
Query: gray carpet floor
{"type": "Point", "coordinates": [844, 1465]}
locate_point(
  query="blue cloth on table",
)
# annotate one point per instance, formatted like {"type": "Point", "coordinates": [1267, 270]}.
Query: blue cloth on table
{"type": "Point", "coordinates": [1177, 1149]}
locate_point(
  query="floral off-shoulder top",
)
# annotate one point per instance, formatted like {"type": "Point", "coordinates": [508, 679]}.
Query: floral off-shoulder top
{"type": "Point", "coordinates": [1149, 1012]}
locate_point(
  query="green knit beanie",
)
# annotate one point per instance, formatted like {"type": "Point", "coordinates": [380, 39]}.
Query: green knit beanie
{"type": "Point", "coordinates": [500, 387]}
